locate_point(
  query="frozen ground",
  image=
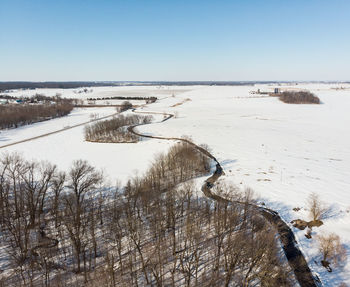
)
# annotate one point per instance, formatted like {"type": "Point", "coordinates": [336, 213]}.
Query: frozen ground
{"type": "Point", "coordinates": [112, 91]}
{"type": "Point", "coordinates": [118, 162]}
{"type": "Point", "coordinates": [284, 152]}
{"type": "Point", "coordinates": [160, 92]}
{"type": "Point", "coordinates": [77, 116]}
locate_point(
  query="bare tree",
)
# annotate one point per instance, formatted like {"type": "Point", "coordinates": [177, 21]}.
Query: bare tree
{"type": "Point", "coordinates": [83, 179]}
{"type": "Point", "coordinates": [317, 209]}
{"type": "Point", "coordinates": [58, 182]}
{"type": "Point", "coordinates": [36, 179]}
{"type": "Point", "coordinates": [332, 250]}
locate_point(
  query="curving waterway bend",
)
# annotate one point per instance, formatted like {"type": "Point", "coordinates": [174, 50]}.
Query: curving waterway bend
{"type": "Point", "coordinates": [290, 246]}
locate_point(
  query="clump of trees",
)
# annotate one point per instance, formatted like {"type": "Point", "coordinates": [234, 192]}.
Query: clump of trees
{"type": "Point", "coordinates": [126, 105]}
{"type": "Point", "coordinates": [181, 163]}
{"type": "Point", "coordinates": [115, 130]}
{"type": "Point", "coordinates": [13, 116]}
{"type": "Point", "coordinates": [60, 229]}
{"type": "Point", "coordinates": [299, 97]}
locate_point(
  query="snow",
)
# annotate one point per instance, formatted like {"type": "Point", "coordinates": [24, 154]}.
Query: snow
{"type": "Point", "coordinates": [77, 116]}
{"type": "Point", "coordinates": [101, 92]}
{"type": "Point", "coordinates": [282, 151]}
{"type": "Point", "coordinates": [118, 162]}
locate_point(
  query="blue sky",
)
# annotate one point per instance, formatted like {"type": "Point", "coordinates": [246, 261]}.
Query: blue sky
{"type": "Point", "coordinates": [174, 40]}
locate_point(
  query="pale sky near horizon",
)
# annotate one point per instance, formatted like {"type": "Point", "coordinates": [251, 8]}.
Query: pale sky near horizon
{"type": "Point", "coordinates": [105, 40]}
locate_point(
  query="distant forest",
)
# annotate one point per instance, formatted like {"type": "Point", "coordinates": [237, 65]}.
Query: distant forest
{"type": "Point", "coordinates": [52, 85]}
{"type": "Point", "coordinates": [71, 85]}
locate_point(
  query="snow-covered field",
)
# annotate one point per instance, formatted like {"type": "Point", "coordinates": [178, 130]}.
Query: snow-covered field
{"type": "Point", "coordinates": [103, 92]}
{"type": "Point", "coordinates": [77, 116]}
{"type": "Point", "coordinates": [118, 162]}
{"type": "Point", "coordinates": [284, 152]}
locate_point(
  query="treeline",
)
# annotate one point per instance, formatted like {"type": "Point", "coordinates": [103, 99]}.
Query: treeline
{"type": "Point", "coordinates": [150, 99]}
{"type": "Point", "coordinates": [181, 163]}
{"type": "Point", "coordinates": [115, 130]}
{"type": "Point", "coordinates": [38, 98]}
{"type": "Point", "coordinates": [64, 229]}
{"type": "Point", "coordinates": [13, 116]}
{"type": "Point", "coordinates": [52, 85]}
{"type": "Point", "coordinates": [300, 97]}
{"type": "Point", "coordinates": [70, 85]}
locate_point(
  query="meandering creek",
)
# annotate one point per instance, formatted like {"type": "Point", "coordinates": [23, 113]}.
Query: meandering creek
{"type": "Point", "coordinates": [293, 254]}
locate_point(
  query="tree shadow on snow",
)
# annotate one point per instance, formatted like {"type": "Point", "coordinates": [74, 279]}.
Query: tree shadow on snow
{"type": "Point", "coordinates": [227, 164]}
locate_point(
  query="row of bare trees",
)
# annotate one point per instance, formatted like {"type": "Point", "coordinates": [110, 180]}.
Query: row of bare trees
{"type": "Point", "coordinates": [115, 129]}
{"type": "Point", "coordinates": [13, 116]}
{"type": "Point", "coordinates": [147, 99]}
{"type": "Point", "coordinates": [67, 229]}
